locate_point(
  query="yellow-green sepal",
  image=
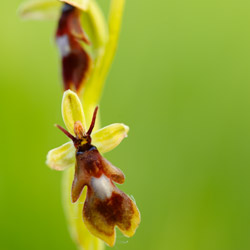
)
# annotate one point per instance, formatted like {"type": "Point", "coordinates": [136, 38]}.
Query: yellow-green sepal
{"type": "Point", "coordinates": [80, 4]}
{"type": "Point", "coordinates": [72, 110]}
{"type": "Point", "coordinates": [40, 10]}
{"type": "Point", "coordinates": [109, 137]}
{"type": "Point", "coordinates": [62, 157]}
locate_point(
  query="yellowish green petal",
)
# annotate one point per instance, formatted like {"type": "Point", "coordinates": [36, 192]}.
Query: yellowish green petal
{"type": "Point", "coordinates": [80, 4]}
{"type": "Point", "coordinates": [109, 137]}
{"type": "Point", "coordinates": [72, 110]}
{"type": "Point", "coordinates": [62, 157]}
{"type": "Point", "coordinates": [40, 10]}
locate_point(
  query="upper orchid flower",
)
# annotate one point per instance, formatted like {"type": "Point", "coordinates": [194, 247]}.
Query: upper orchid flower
{"type": "Point", "coordinates": [71, 39]}
{"type": "Point", "coordinates": [76, 61]}
{"type": "Point", "coordinates": [86, 40]}
{"type": "Point", "coordinates": [105, 206]}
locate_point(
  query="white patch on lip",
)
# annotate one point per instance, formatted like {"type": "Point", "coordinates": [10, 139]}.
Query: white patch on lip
{"type": "Point", "coordinates": [102, 187]}
{"type": "Point", "coordinates": [63, 44]}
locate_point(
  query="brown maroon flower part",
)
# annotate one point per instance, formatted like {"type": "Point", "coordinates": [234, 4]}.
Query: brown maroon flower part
{"type": "Point", "coordinates": [70, 39]}
{"type": "Point", "coordinates": [105, 206]}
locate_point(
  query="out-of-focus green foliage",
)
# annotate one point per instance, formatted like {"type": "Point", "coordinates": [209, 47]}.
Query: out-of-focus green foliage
{"type": "Point", "coordinates": [181, 81]}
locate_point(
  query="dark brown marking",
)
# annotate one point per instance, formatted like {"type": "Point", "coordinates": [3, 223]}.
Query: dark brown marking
{"type": "Point", "coordinates": [113, 210]}
{"type": "Point", "coordinates": [106, 214]}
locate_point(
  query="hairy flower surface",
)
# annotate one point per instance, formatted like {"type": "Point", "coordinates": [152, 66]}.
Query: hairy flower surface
{"type": "Point", "coordinates": [105, 206]}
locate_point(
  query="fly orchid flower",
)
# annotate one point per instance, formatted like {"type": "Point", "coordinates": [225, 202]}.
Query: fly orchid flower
{"type": "Point", "coordinates": [76, 61]}
{"type": "Point", "coordinates": [105, 205]}
{"type": "Point", "coordinates": [71, 39]}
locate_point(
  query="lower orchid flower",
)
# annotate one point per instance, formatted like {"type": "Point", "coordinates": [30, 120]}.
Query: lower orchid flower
{"type": "Point", "coordinates": [105, 206]}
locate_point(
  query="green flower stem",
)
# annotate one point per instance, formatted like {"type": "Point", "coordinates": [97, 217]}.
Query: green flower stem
{"type": "Point", "coordinates": [95, 26]}
{"type": "Point", "coordinates": [94, 87]}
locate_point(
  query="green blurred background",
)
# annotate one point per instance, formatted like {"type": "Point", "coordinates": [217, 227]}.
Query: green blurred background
{"type": "Point", "coordinates": [181, 81]}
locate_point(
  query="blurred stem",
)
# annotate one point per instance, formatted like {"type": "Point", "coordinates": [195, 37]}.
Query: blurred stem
{"type": "Point", "coordinates": [94, 88]}
{"type": "Point", "coordinates": [95, 26]}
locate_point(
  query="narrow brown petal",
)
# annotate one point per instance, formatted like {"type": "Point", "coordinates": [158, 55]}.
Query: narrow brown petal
{"type": "Point", "coordinates": [76, 62]}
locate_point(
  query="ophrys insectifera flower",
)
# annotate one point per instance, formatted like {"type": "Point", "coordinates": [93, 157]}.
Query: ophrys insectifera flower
{"type": "Point", "coordinates": [105, 205]}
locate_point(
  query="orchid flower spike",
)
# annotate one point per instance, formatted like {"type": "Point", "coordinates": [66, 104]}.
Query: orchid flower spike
{"type": "Point", "coordinates": [105, 206]}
